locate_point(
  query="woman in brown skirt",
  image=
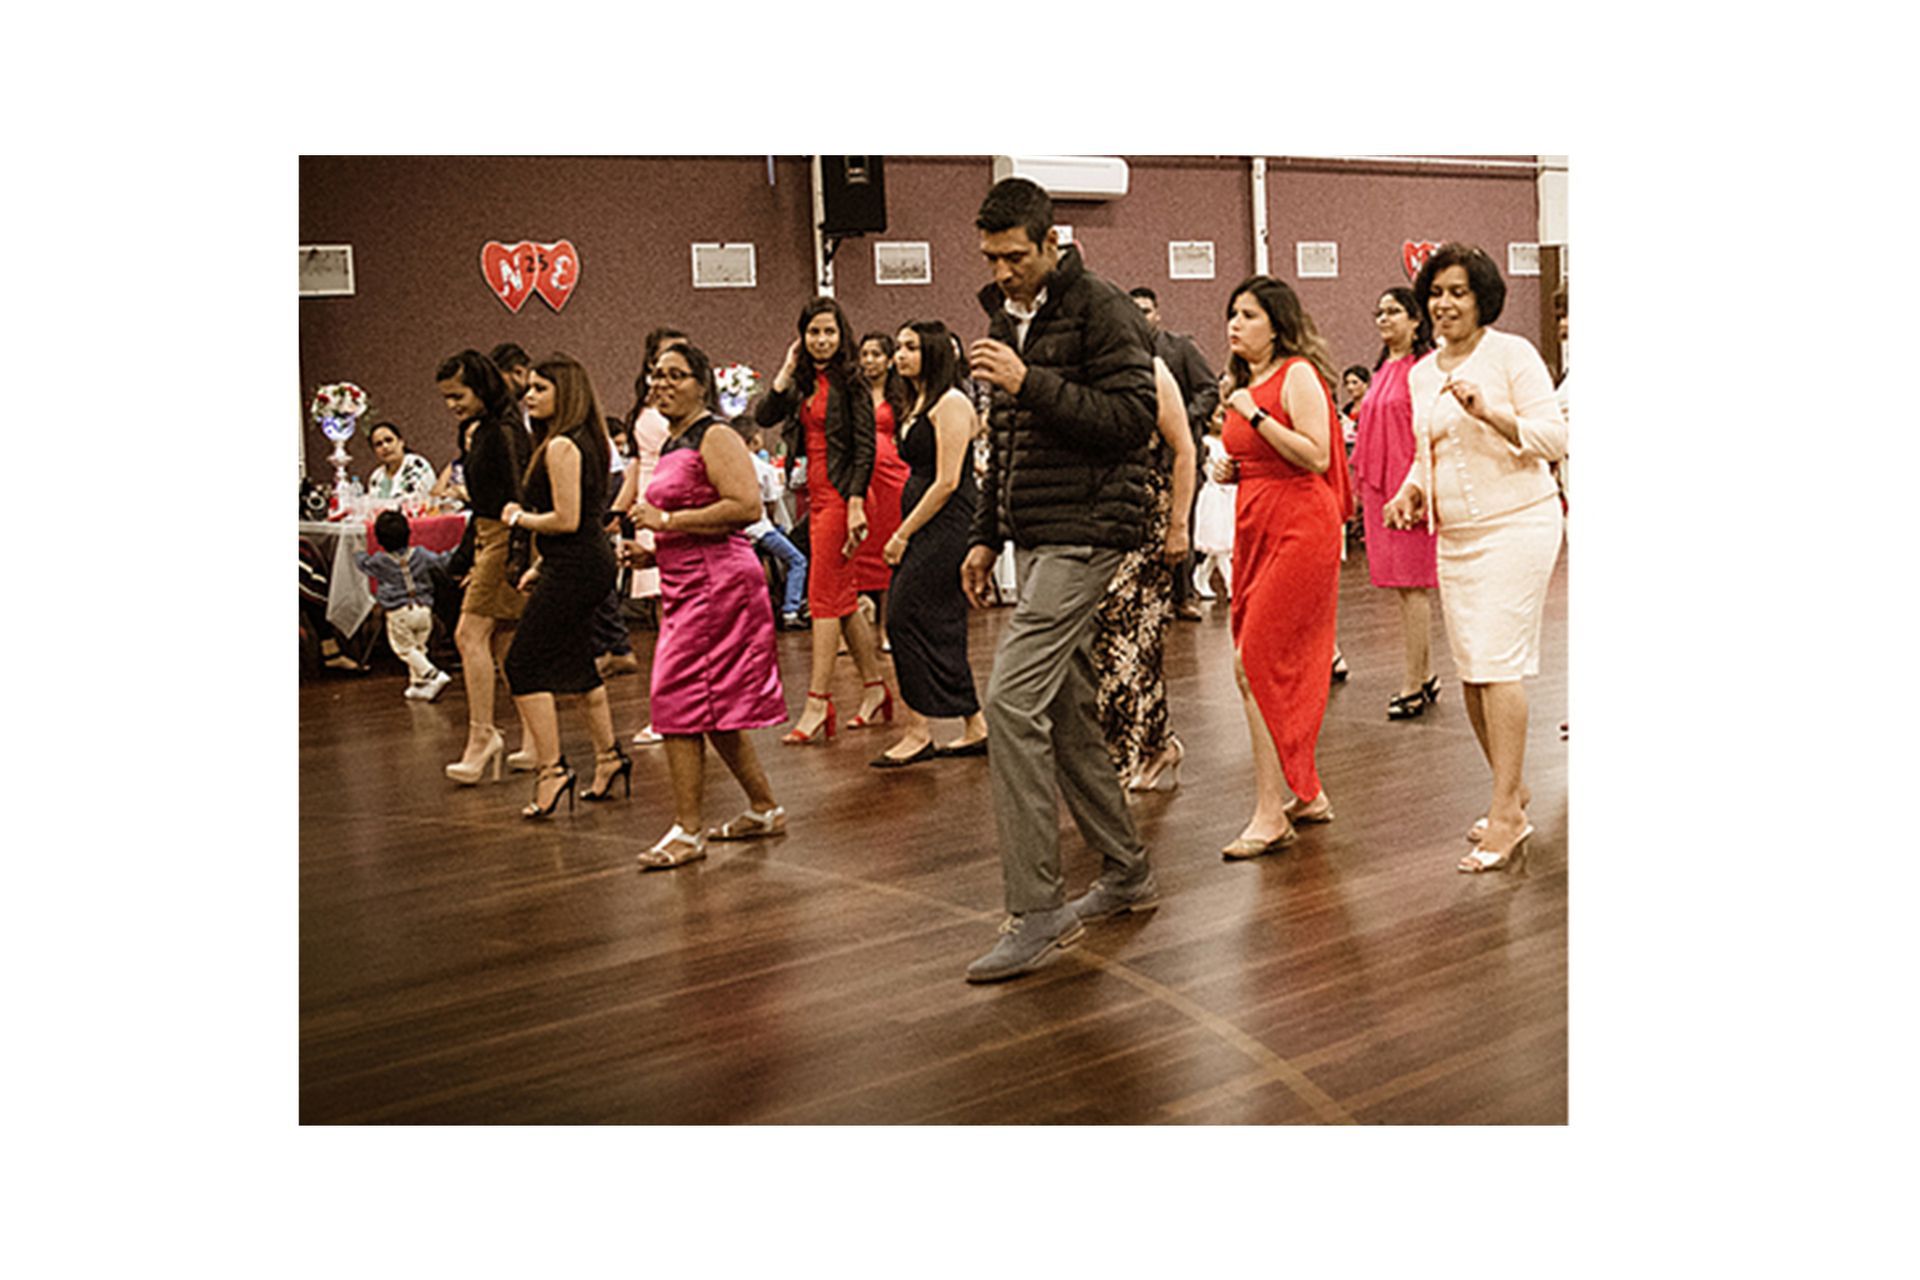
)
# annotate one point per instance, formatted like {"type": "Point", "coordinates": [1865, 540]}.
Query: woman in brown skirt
{"type": "Point", "coordinates": [497, 454]}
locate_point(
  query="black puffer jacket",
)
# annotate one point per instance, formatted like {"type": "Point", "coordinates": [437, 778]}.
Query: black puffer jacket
{"type": "Point", "coordinates": [1070, 454]}
{"type": "Point", "coordinates": [850, 442]}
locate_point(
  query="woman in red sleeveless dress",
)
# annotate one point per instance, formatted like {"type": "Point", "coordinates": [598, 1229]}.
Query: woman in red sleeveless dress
{"type": "Point", "coordinates": [1292, 504]}
{"type": "Point", "coordinates": [872, 575]}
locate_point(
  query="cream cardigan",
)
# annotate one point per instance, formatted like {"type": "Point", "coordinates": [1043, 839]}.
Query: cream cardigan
{"type": "Point", "coordinates": [1477, 473]}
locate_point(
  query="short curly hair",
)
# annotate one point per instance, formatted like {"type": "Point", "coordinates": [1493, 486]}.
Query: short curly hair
{"type": "Point", "coordinates": [1483, 278]}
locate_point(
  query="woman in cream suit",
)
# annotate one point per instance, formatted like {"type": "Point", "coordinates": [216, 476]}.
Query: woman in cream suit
{"type": "Point", "coordinates": [1486, 427]}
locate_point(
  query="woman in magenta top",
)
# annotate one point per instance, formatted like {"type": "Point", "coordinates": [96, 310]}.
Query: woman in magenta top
{"type": "Point", "coordinates": [714, 674]}
{"type": "Point", "coordinates": [1401, 559]}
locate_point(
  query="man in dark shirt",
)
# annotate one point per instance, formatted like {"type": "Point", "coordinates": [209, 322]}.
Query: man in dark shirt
{"type": "Point", "coordinates": [1072, 421]}
{"type": "Point", "coordinates": [1201, 390]}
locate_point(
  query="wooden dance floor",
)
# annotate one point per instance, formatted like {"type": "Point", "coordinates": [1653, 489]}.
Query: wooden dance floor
{"type": "Point", "coordinates": [459, 965]}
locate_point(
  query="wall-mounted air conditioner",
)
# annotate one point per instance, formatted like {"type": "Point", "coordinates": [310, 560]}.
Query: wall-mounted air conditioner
{"type": "Point", "coordinates": [1068, 177]}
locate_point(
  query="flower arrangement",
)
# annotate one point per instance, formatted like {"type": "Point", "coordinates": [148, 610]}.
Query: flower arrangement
{"type": "Point", "coordinates": [736, 384]}
{"type": "Point", "coordinates": [337, 401]}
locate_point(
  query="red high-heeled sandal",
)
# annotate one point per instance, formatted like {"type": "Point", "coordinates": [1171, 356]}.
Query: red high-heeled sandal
{"type": "Point", "coordinates": [795, 738]}
{"type": "Point", "coordinates": [882, 712]}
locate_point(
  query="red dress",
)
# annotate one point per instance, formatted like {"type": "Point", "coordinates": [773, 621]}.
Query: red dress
{"type": "Point", "coordinates": [1286, 580]}
{"type": "Point", "coordinates": [871, 572]}
{"type": "Point", "coordinates": [830, 589]}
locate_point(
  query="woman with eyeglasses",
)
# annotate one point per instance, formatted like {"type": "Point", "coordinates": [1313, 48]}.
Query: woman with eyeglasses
{"type": "Point", "coordinates": [648, 432]}
{"type": "Point", "coordinates": [1400, 560]}
{"type": "Point", "coordinates": [714, 670]}
{"type": "Point", "coordinates": [1486, 426]}
{"type": "Point", "coordinates": [820, 390]}
{"type": "Point", "coordinates": [573, 569]}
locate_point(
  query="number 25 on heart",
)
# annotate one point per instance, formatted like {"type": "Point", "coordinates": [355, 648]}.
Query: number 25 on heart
{"type": "Point", "coordinates": [514, 272]}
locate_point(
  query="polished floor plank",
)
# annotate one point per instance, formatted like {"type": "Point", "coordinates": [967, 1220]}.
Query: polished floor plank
{"type": "Point", "coordinates": [459, 965]}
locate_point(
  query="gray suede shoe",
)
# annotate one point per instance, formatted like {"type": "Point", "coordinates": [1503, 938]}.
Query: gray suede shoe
{"type": "Point", "coordinates": [1025, 943]}
{"type": "Point", "coordinates": [1104, 898]}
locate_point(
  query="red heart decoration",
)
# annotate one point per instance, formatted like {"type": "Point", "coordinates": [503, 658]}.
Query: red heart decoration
{"type": "Point", "coordinates": [559, 272]}
{"type": "Point", "coordinates": [1414, 255]}
{"type": "Point", "coordinates": [509, 271]}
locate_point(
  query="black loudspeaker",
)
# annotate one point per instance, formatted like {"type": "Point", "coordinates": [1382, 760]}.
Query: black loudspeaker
{"type": "Point", "coordinates": [855, 190]}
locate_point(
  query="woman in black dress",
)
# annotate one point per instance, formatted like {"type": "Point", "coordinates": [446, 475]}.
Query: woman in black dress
{"type": "Point", "coordinates": [927, 622]}
{"type": "Point", "coordinates": [566, 490]}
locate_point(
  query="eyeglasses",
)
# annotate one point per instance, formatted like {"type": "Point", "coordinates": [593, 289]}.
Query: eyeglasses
{"type": "Point", "coordinates": [675, 376]}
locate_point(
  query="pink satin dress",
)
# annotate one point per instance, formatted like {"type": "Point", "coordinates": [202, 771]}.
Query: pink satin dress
{"type": "Point", "coordinates": [713, 668]}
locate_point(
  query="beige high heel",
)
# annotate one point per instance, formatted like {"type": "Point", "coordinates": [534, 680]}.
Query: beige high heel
{"type": "Point", "coordinates": [1163, 772]}
{"type": "Point", "coordinates": [1485, 859]}
{"type": "Point", "coordinates": [467, 774]}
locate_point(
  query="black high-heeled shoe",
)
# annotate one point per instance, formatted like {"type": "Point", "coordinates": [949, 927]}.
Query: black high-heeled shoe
{"type": "Point", "coordinates": [1407, 706]}
{"type": "Point", "coordinates": [1431, 689]}
{"type": "Point", "coordinates": [556, 770]}
{"type": "Point", "coordinates": [624, 772]}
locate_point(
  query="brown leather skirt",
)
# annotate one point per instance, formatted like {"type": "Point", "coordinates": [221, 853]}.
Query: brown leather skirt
{"type": "Point", "coordinates": [489, 594]}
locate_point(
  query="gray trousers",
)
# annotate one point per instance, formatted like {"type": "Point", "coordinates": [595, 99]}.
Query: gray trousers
{"type": "Point", "coordinates": [1044, 724]}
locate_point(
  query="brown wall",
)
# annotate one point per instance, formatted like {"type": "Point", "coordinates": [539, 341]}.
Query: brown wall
{"type": "Point", "coordinates": [417, 225]}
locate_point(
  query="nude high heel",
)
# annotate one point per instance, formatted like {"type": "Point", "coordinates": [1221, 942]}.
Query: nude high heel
{"type": "Point", "coordinates": [1163, 774]}
{"type": "Point", "coordinates": [467, 774]}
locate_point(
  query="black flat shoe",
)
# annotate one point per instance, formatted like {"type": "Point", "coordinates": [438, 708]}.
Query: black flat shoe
{"type": "Point", "coordinates": [884, 761]}
{"type": "Point", "coordinates": [976, 748]}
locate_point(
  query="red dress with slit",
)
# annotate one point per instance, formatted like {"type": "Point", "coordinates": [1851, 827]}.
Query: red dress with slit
{"type": "Point", "coordinates": [871, 572]}
{"type": "Point", "coordinates": [1286, 579]}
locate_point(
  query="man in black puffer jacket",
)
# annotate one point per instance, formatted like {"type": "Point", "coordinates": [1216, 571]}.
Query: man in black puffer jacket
{"type": "Point", "coordinates": [1071, 365]}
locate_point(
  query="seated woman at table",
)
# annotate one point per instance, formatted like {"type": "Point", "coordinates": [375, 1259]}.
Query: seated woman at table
{"type": "Point", "coordinates": [400, 473]}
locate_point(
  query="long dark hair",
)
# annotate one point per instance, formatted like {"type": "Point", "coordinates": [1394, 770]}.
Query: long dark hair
{"type": "Point", "coordinates": [939, 370]}
{"type": "Point", "coordinates": [841, 367]}
{"type": "Point", "coordinates": [1294, 333]}
{"type": "Point", "coordinates": [481, 376]}
{"type": "Point", "coordinates": [1423, 330]}
{"type": "Point", "coordinates": [894, 390]}
{"type": "Point", "coordinates": [576, 415]}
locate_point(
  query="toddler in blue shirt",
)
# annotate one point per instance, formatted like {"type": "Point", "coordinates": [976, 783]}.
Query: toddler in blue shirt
{"type": "Point", "coordinates": [401, 585]}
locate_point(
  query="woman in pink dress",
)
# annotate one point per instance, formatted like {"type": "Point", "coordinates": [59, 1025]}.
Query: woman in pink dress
{"type": "Point", "coordinates": [1400, 559]}
{"type": "Point", "coordinates": [714, 674]}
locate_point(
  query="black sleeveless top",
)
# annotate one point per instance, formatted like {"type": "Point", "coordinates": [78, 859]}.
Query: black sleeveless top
{"type": "Point", "coordinates": [588, 540]}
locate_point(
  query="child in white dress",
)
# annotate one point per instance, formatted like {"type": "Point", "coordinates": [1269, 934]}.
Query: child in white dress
{"type": "Point", "coordinates": [1213, 520]}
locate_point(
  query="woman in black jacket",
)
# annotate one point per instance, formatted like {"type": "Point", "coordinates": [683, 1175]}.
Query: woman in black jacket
{"type": "Point", "coordinates": [820, 391]}
{"type": "Point", "coordinates": [496, 454]}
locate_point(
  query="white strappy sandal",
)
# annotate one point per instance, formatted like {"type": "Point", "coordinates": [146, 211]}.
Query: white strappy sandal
{"type": "Point", "coordinates": [675, 849]}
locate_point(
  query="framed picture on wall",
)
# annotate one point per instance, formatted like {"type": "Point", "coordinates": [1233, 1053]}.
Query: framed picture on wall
{"type": "Point", "coordinates": [723, 266]}
{"type": "Point", "coordinates": [1523, 259]}
{"type": "Point", "coordinates": [1189, 259]}
{"type": "Point", "coordinates": [1316, 260]}
{"type": "Point", "coordinates": [326, 270]}
{"type": "Point", "coordinates": [902, 262]}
